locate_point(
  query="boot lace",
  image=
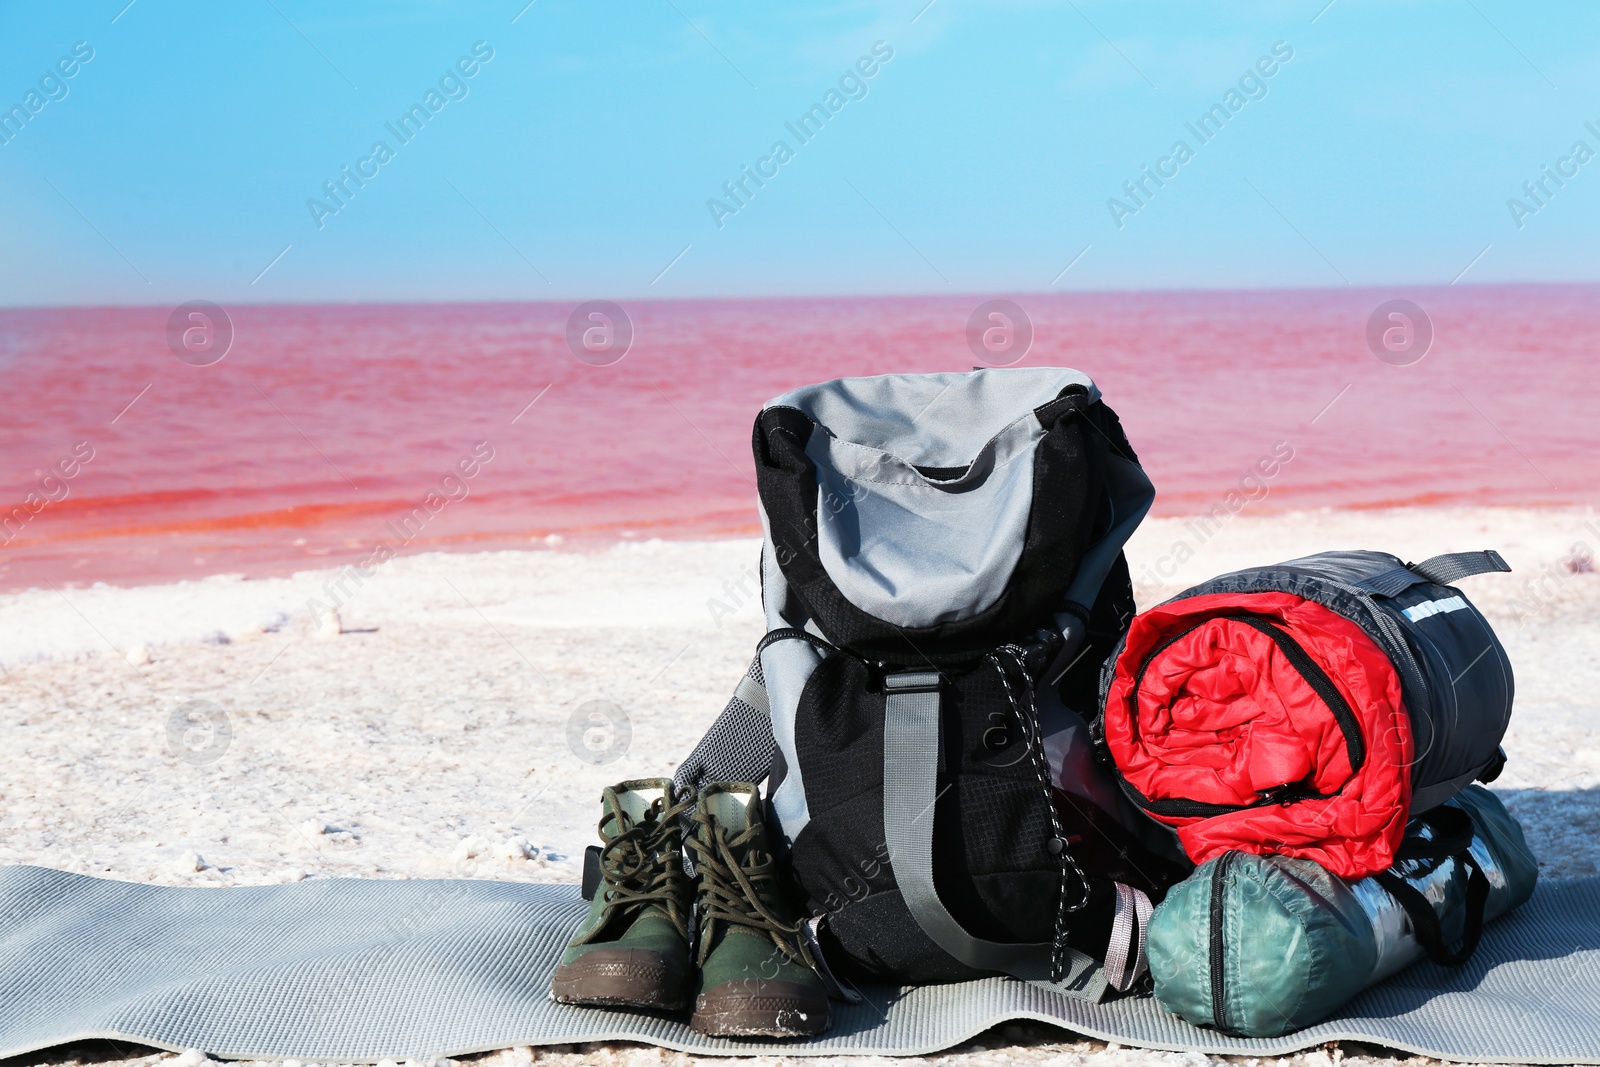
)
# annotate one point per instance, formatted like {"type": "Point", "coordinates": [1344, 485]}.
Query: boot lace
{"type": "Point", "coordinates": [642, 863]}
{"type": "Point", "coordinates": [739, 892]}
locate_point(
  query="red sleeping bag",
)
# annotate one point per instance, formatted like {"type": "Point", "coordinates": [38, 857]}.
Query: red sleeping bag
{"type": "Point", "coordinates": [1264, 723]}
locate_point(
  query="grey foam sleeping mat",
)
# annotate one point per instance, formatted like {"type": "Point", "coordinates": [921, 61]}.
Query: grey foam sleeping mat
{"type": "Point", "coordinates": [351, 971]}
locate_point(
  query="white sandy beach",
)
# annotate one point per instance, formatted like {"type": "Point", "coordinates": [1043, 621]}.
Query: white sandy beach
{"type": "Point", "coordinates": [208, 733]}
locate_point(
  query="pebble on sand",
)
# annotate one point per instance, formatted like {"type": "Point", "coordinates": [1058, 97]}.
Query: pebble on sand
{"type": "Point", "coordinates": [470, 848]}
{"type": "Point", "coordinates": [518, 848]}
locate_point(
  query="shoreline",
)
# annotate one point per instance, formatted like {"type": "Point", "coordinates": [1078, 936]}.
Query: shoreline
{"type": "Point", "coordinates": [63, 621]}
{"type": "Point", "coordinates": [126, 559]}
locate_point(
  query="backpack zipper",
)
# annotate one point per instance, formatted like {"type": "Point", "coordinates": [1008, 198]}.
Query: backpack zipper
{"type": "Point", "coordinates": [1218, 960]}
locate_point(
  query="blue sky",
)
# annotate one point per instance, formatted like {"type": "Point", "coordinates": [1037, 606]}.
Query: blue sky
{"type": "Point", "coordinates": [982, 155]}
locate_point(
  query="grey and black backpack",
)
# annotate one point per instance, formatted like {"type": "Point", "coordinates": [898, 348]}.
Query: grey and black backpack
{"type": "Point", "coordinates": [942, 577]}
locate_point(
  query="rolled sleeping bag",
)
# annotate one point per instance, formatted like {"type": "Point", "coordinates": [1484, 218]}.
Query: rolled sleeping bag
{"type": "Point", "coordinates": [1309, 708]}
{"type": "Point", "coordinates": [1263, 945]}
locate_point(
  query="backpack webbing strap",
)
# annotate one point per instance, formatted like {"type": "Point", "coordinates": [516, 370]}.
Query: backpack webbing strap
{"type": "Point", "coordinates": [910, 790]}
{"type": "Point", "coordinates": [753, 693]}
{"type": "Point", "coordinates": [1451, 567]}
{"type": "Point", "coordinates": [1125, 956]}
{"type": "Point", "coordinates": [1447, 569]}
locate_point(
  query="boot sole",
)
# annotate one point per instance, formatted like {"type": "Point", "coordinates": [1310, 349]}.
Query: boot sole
{"type": "Point", "coordinates": [774, 1009]}
{"type": "Point", "coordinates": [621, 978]}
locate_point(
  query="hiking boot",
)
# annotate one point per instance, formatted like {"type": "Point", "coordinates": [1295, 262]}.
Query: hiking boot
{"type": "Point", "coordinates": [632, 949]}
{"type": "Point", "coordinates": [755, 976]}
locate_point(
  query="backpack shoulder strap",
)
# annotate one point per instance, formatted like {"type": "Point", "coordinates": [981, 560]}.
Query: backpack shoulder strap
{"type": "Point", "coordinates": [739, 746]}
{"type": "Point", "coordinates": [910, 791]}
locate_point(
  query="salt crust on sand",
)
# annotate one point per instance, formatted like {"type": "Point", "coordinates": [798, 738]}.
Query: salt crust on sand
{"type": "Point", "coordinates": [431, 738]}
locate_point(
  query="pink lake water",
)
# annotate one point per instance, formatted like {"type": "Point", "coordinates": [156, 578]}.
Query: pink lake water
{"type": "Point", "coordinates": [325, 425]}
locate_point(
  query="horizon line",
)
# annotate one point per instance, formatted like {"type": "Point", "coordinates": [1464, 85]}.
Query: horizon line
{"type": "Point", "coordinates": [800, 297]}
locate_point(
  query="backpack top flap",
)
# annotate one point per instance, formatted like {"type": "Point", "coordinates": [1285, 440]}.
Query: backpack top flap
{"type": "Point", "coordinates": [939, 514]}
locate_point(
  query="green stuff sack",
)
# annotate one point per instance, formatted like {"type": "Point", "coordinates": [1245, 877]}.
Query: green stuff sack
{"type": "Point", "coordinates": [1262, 945]}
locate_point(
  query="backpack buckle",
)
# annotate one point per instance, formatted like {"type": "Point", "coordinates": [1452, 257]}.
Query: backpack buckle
{"type": "Point", "coordinates": [913, 682]}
